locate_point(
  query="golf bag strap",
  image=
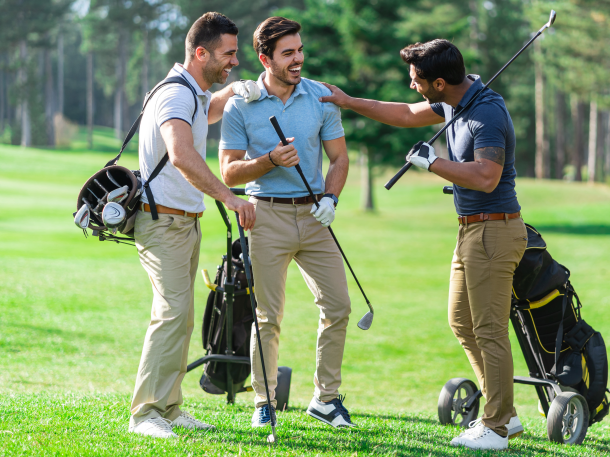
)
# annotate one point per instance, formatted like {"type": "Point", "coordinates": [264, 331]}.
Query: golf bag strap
{"type": "Point", "coordinates": [149, 194]}
{"type": "Point", "coordinates": [134, 128]}
{"type": "Point", "coordinates": [559, 338]}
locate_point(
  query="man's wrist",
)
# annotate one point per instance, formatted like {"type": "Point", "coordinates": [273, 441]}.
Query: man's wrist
{"type": "Point", "coordinates": [274, 164]}
{"type": "Point", "coordinates": [333, 197]}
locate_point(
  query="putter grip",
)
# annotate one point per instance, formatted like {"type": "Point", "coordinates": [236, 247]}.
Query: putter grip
{"type": "Point", "coordinates": [398, 175]}
{"type": "Point", "coordinates": [278, 130]}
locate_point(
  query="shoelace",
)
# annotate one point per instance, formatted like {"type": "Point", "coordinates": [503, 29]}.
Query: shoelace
{"type": "Point", "coordinates": [189, 418]}
{"type": "Point", "coordinates": [471, 426]}
{"type": "Point", "coordinates": [162, 423]}
{"type": "Point", "coordinates": [338, 402]}
{"type": "Point", "coordinates": [264, 416]}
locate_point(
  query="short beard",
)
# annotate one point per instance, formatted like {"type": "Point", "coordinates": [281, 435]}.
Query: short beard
{"type": "Point", "coordinates": [282, 74]}
{"type": "Point", "coordinates": [434, 96]}
{"type": "Point", "coordinates": [213, 71]}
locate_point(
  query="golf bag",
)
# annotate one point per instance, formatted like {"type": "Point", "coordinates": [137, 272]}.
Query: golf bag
{"type": "Point", "coordinates": [113, 176]}
{"type": "Point", "coordinates": [214, 334]}
{"type": "Point", "coordinates": [557, 343]}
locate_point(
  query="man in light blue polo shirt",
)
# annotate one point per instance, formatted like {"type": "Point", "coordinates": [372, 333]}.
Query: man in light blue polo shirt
{"type": "Point", "coordinates": [288, 224]}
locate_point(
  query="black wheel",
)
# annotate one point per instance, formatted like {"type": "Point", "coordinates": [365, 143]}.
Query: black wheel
{"type": "Point", "coordinates": [282, 391]}
{"type": "Point", "coordinates": [454, 396]}
{"type": "Point", "coordinates": [568, 419]}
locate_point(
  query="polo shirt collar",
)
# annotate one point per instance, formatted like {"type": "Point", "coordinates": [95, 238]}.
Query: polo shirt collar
{"type": "Point", "coordinates": [472, 90]}
{"type": "Point", "coordinates": [298, 90]}
{"type": "Point", "coordinates": [183, 72]}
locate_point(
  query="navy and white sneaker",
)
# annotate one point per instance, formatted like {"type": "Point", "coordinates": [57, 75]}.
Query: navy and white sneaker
{"type": "Point", "coordinates": [332, 413]}
{"type": "Point", "coordinates": [261, 416]}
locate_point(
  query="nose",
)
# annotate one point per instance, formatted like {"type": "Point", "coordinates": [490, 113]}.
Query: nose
{"type": "Point", "coordinates": [234, 60]}
{"type": "Point", "coordinates": [412, 85]}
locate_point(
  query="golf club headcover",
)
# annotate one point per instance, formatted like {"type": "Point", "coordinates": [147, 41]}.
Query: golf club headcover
{"type": "Point", "coordinates": [325, 213]}
{"type": "Point", "coordinates": [247, 89]}
{"type": "Point", "coordinates": [423, 156]}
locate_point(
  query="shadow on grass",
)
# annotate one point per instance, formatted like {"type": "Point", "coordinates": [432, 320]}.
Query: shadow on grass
{"type": "Point", "coordinates": [589, 229]}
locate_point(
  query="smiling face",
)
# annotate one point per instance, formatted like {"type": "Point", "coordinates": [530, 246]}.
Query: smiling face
{"type": "Point", "coordinates": [221, 60]}
{"type": "Point", "coordinates": [287, 60]}
{"type": "Point", "coordinates": [426, 89]}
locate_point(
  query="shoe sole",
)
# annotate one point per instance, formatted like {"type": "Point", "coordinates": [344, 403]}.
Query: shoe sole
{"type": "Point", "coordinates": [326, 422]}
{"type": "Point", "coordinates": [516, 434]}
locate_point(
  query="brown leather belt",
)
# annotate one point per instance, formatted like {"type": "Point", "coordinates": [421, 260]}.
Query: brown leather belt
{"type": "Point", "coordinates": [290, 201]}
{"type": "Point", "coordinates": [482, 217]}
{"type": "Point", "coordinates": [165, 210]}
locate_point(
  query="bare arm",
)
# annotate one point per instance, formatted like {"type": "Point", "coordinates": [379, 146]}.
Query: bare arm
{"type": "Point", "coordinates": [396, 114]}
{"type": "Point", "coordinates": [483, 174]}
{"type": "Point", "coordinates": [235, 170]}
{"type": "Point", "coordinates": [178, 138]}
{"type": "Point", "coordinates": [336, 150]}
{"type": "Point", "coordinates": [218, 102]}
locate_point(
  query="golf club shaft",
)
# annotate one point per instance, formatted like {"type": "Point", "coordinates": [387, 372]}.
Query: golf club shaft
{"type": "Point", "coordinates": [244, 250]}
{"type": "Point", "coordinates": [408, 165]}
{"type": "Point", "coordinates": [279, 132]}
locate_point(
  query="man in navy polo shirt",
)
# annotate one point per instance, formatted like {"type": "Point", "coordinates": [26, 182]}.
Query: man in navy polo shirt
{"type": "Point", "coordinates": [492, 236]}
{"type": "Point", "coordinates": [288, 224]}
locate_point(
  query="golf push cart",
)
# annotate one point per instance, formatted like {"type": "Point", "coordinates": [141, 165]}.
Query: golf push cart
{"type": "Point", "coordinates": [227, 326]}
{"type": "Point", "coordinates": [551, 333]}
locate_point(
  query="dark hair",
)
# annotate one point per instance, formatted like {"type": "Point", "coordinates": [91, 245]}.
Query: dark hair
{"type": "Point", "coordinates": [436, 59]}
{"type": "Point", "coordinates": [206, 32]}
{"type": "Point", "coordinates": [270, 31]}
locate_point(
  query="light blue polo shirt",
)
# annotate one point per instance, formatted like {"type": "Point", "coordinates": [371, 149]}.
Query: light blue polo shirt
{"type": "Point", "coordinates": [246, 126]}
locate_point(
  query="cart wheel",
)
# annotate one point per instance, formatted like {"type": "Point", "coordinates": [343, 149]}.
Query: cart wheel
{"type": "Point", "coordinates": [453, 398]}
{"type": "Point", "coordinates": [568, 419]}
{"type": "Point", "coordinates": [282, 391]}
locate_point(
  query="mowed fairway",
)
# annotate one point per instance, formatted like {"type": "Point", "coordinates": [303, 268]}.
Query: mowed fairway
{"type": "Point", "coordinates": [73, 313]}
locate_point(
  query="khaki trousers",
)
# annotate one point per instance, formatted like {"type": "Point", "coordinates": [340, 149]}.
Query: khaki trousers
{"type": "Point", "coordinates": [485, 259]}
{"type": "Point", "coordinates": [169, 252]}
{"type": "Point", "coordinates": [284, 232]}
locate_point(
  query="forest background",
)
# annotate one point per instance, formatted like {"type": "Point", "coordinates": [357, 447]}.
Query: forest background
{"type": "Point", "coordinates": [65, 63]}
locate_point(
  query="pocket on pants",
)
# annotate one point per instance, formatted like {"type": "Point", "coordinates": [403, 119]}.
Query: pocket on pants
{"type": "Point", "coordinates": [489, 239]}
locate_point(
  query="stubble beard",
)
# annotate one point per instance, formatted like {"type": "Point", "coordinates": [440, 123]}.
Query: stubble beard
{"type": "Point", "coordinates": [433, 96]}
{"type": "Point", "coordinates": [282, 74]}
{"type": "Point", "coordinates": [214, 71]}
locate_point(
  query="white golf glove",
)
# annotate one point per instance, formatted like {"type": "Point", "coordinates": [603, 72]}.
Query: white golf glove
{"type": "Point", "coordinates": [422, 155]}
{"type": "Point", "coordinates": [248, 89]}
{"type": "Point", "coordinates": [325, 214]}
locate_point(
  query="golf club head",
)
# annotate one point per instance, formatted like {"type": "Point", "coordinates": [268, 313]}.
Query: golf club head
{"type": "Point", "coordinates": [552, 18]}
{"type": "Point", "coordinates": [113, 215]}
{"type": "Point", "coordinates": [366, 321]}
{"type": "Point", "coordinates": [118, 195]}
{"type": "Point", "coordinates": [82, 217]}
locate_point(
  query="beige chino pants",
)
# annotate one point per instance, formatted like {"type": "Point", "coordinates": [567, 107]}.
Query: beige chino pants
{"type": "Point", "coordinates": [169, 252]}
{"type": "Point", "coordinates": [484, 261]}
{"type": "Point", "coordinates": [284, 232]}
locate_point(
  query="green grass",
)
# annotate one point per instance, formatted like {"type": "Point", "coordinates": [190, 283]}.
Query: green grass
{"type": "Point", "coordinates": [74, 312]}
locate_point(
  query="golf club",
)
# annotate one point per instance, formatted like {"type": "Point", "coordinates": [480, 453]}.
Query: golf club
{"type": "Point", "coordinates": [113, 215]}
{"type": "Point", "coordinates": [99, 200]}
{"type": "Point", "coordinates": [118, 195]}
{"type": "Point", "coordinates": [408, 165]}
{"type": "Point", "coordinates": [112, 180]}
{"type": "Point", "coordinates": [367, 320]}
{"type": "Point", "coordinates": [244, 250]}
{"type": "Point", "coordinates": [101, 187]}
{"type": "Point", "coordinates": [81, 219]}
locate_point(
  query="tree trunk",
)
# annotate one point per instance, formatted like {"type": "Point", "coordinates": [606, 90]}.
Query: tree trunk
{"type": "Point", "coordinates": [578, 114]}
{"type": "Point", "coordinates": [60, 73]}
{"type": "Point", "coordinates": [49, 105]}
{"type": "Point", "coordinates": [90, 99]}
{"type": "Point", "coordinates": [26, 126]}
{"type": "Point", "coordinates": [119, 91]}
{"type": "Point", "coordinates": [474, 24]}
{"type": "Point", "coordinates": [543, 169]}
{"type": "Point", "coordinates": [366, 179]}
{"type": "Point", "coordinates": [145, 60]}
{"type": "Point", "coordinates": [607, 146]}
{"type": "Point", "coordinates": [2, 96]}
{"type": "Point", "coordinates": [599, 146]}
{"type": "Point", "coordinates": [560, 133]}
{"type": "Point", "coordinates": [592, 141]}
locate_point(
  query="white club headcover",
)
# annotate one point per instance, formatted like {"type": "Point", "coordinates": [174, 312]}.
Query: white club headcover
{"type": "Point", "coordinates": [113, 215]}
{"type": "Point", "coordinates": [248, 89]}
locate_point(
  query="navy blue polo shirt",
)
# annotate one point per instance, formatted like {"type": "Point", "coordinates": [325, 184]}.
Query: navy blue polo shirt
{"type": "Point", "coordinates": [486, 123]}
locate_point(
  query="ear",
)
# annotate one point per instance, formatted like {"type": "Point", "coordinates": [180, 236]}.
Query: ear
{"type": "Point", "coordinates": [264, 60]}
{"type": "Point", "coordinates": [202, 54]}
{"type": "Point", "coordinates": [439, 84]}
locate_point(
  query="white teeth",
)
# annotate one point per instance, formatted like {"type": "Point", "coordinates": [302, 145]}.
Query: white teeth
{"type": "Point", "coordinates": [295, 69]}
{"type": "Point", "coordinates": [228, 70]}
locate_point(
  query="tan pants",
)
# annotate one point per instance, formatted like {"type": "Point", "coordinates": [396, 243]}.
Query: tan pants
{"type": "Point", "coordinates": [169, 252]}
{"type": "Point", "coordinates": [284, 232]}
{"type": "Point", "coordinates": [482, 269]}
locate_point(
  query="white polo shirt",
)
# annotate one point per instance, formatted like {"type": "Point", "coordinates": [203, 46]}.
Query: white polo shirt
{"type": "Point", "coordinates": [173, 101]}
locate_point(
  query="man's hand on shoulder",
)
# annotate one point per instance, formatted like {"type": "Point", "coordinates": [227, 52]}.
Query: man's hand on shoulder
{"type": "Point", "coordinates": [337, 96]}
{"type": "Point", "coordinates": [247, 89]}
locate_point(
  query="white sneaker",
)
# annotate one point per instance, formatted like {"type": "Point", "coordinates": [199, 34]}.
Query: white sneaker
{"type": "Point", "coordinates": [514, 427]}
{"type": "Point", "coordinates": [157, 427]}
{"type": "Point", "coordinates": [481, 437]}
{"type": "Point", "coordinates": [332, 412]}
{"type": "Point", "coordinates": [187, 421]}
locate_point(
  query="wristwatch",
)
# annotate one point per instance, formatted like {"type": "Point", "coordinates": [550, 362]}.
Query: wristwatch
{"type": "Point", "coordinates": [333, 197]}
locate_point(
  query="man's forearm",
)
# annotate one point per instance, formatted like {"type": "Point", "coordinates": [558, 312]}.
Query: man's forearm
{"type": "Point", "coordinates": [337, 175]}
{"type": "Point", "coordinates": [197, 172]}
{"type": "Point", "coordinates": [390, 113]}
{"type": "Point", "coordinates": [244, 171]}
{"type": "Point", "coordinates": [218, 102]}
{"type": "Point", "coordinates": [471, 175]}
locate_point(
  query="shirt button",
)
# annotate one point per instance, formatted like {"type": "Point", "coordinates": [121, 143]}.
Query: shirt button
{"type": "Point", "coordinates": [283, 111]}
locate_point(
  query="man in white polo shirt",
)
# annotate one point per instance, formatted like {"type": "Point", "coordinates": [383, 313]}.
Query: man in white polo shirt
{"type": "Point", "coordinates": [176, 121]}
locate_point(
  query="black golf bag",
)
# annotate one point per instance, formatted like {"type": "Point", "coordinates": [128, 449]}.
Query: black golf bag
{"type": "Point", "coordinates": [214, 334]}
{"type": "Point", "coordinates": [557, 343]}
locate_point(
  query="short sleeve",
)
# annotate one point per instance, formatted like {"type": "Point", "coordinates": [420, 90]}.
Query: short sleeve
{"type": "Point", "coordinates": [332, 128]}
{"type": "Point", "coordinates": [489, 126]}
{"type": "Point", "coordinates": [438, 109]}
{"type": "Point", "coordinates": [233, 131]}
{"type": "Point", "coordinates": [175, 102]}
